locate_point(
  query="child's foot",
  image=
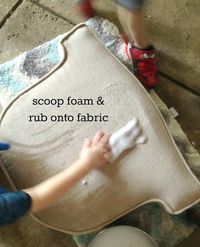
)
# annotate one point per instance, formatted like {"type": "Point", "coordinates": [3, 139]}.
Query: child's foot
{"type": "Point", "coordinates": [126, 137]}
{"type": "Point", "coordinates": [85, 8]}
{"type": "Point", "coordinates": [144, 64]}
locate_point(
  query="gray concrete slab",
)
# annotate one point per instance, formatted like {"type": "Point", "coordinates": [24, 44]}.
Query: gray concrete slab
{"type": "Point", "coordinates": [175, 30]}
{"type": "Point", "coordinates": [68, 9]}
{"type": "Point", "coordinates": [64, 8]}
{"type": "Point", "coordinates": [27, 232]}
{"type": "Point", "coordinates": [28, 27]}
{"type": "Point", "coordinates": [186, 104]}
{"type": "Point", "coordinates": [5, 7]}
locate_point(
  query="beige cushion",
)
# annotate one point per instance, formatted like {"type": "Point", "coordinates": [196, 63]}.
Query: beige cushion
{"type": "Point", "coordinates": [153, 172]}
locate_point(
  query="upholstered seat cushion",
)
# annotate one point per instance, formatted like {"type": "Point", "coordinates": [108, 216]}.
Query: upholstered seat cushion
{"type": "Point", "coordinates": [154, 171]}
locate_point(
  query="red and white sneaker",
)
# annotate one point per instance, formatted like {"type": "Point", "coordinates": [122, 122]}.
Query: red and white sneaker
{"type": "Point", "coordinates": [85, 7]}
{"type": "Point", "coordinates": [144, 64]}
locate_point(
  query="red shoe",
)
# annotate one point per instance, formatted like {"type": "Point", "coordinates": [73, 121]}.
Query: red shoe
{"type": "Point", "coordinates": [144, 64]}
{"type": "Point", "coordinates": [85, 8]}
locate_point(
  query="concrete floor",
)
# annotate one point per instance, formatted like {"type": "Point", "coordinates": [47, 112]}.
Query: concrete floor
{"type": "Point", "coordinates": [25, 24]}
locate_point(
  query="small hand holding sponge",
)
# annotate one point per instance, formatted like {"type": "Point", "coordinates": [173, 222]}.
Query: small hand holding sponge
{"type": "Point", "coordinates": [126, 138]}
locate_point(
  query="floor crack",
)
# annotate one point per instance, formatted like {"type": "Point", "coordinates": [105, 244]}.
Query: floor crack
{"type": "Point", "coordinates": [168, 77]}
{"type": "Point", "coordinates": [51, 11]}
{"type": "Point", "coordinates": [7, 16]}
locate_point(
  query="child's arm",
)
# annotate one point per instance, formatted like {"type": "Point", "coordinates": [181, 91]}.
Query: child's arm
{"type": "Point", "coordinates": [94, 154]}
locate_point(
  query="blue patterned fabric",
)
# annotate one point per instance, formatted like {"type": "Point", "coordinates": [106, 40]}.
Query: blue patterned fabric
{"type": "Point", "coordinates": [26, 69]}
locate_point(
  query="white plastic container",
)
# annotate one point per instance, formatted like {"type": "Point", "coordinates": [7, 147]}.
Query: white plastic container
{"type": "Point", "coordinates": [122, 236]}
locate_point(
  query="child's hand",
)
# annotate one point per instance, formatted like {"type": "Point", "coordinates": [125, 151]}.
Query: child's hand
{"type": "Point", "coordinates": [96, 151]}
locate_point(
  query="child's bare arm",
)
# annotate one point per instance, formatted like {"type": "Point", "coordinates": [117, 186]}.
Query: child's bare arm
{"type": "Point", "coordinates": [94, 154]}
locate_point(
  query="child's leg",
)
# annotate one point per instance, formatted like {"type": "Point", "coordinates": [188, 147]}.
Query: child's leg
{"type": "Point", "coordinates": [133, 25]}
{"type": "Point", "coordinates": [140, 50]}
